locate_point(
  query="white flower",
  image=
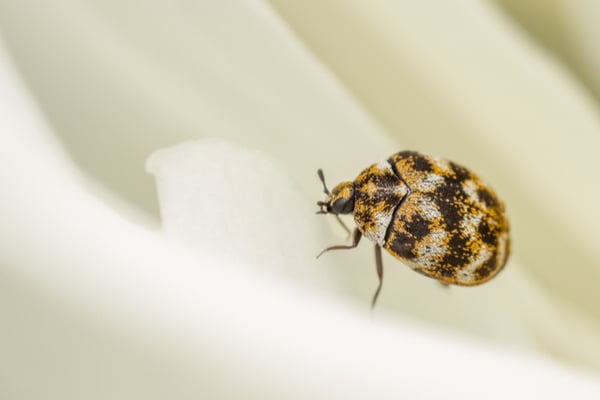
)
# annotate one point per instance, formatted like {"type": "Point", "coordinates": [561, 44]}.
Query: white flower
{"type": "Point", "coordinates": [97, 303]}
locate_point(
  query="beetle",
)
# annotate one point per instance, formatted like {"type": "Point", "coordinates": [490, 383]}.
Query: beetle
{"type": "Point", "coordinates": [434, 215]}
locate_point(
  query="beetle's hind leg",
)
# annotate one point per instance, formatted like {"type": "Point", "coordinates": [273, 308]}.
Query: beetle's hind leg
{"type": "Point", "coordinates": [379, 266]}
{"type": "Point", "coordinates": [355, 239]}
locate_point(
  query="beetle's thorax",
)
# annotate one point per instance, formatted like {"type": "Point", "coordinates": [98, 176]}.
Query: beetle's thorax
{"type": "Point", "coordinates": [378, 192]}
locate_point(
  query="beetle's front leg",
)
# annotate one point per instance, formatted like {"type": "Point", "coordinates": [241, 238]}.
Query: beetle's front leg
{"type": "Point", "coordinates": [343, 226]}
{"type": "Point", "coordinates": [355, 239]}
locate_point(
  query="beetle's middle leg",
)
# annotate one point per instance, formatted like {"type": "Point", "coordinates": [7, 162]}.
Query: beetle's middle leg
{"type": "Point", "coordinates": [379, 266]}
{"type": "Point", "coordinates": [355, 239]}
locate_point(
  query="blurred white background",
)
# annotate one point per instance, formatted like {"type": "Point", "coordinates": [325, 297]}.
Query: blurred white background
{"type": "Point", "coordinates": [98, 302]}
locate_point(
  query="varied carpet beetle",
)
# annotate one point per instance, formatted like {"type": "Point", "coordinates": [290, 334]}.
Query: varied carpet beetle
{"type": "Point", "coordinates": [435, 216]}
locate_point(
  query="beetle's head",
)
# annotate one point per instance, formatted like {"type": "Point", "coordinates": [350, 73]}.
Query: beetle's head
{"type": "Point", "coordinates": [339, 201]}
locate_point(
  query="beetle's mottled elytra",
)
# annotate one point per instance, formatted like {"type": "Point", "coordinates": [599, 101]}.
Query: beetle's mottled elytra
{"type": "Point", "coordinates": [435, 216]}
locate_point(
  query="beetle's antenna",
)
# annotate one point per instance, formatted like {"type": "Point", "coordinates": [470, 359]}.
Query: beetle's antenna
{"type": "Point", "coordinates": [322, 178]}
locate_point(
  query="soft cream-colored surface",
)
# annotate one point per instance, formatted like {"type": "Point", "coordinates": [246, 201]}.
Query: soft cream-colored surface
{"type": "Point", "coordinates": [488, 97]}
{"type": "Point", "coordinates": [567, 29]}
{"type": "Point", "coordinates": [330, 84]}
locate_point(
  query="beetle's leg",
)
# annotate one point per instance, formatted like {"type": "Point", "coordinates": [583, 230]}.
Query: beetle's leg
{"type": "Point", "coordinates": [355, 239]}
{"type": "Point", "coordinates": [348, 231]}
{"type": "Point", "coordinates": [379, 265]}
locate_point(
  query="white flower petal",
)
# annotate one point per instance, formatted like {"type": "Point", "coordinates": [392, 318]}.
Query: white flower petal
{"type": "Point", "coordinates": [566, 29]}
{"type": "Point", "coordinates": [119, 80]}
{"type": "Point", "coordinates": [141, 77]}
{"type": "Point", "coordinates": [216, 195]}
{"type": "Point", "coordinates": [101, 308]}
{"type": "Point", "coordinates": [457, 79]}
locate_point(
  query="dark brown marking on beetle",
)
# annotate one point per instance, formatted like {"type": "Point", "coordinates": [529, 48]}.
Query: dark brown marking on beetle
{"type": "Point", "coordinates": [406, 154]}
{"type": "Point", "coordinates": [461, 173]}
{"type": "Point", "coordinates": [402, 244]}
{"type": "Point", "coordinates": [445, 272]}
{"type": "Point", "coordinates": [487, 268]}
{"type": "Point", "coordinates": [420, 163]}
{"type": "Point", "coordinates": [486, 234]}
{"type": "Point", "coordinates": [487, 198]}
{"type": "Point", "coordinates": [451, 213]}
{"type": "Point", "coordinates": [419, 227]}
{"type": "Point", "coordinates": [459, 253]}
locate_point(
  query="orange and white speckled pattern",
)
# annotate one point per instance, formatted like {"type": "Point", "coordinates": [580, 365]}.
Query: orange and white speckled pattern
{"type": "Point", "coordinates": [377, 193]}
{"type": "Point", "coordinates": [435, 216]}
